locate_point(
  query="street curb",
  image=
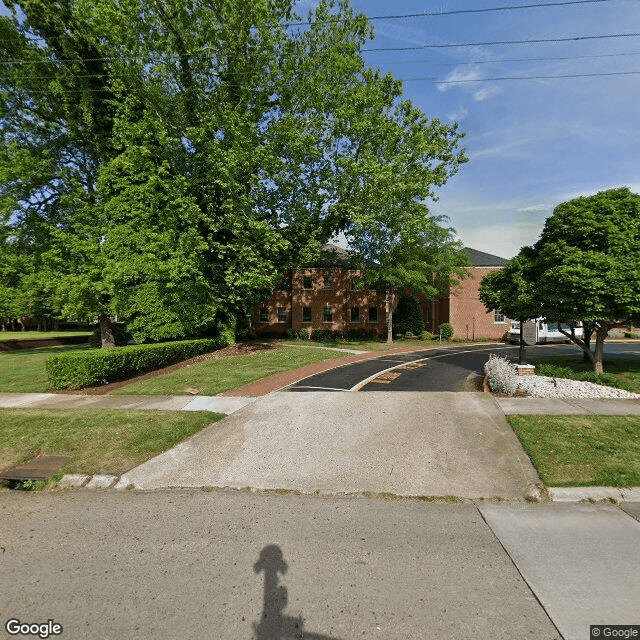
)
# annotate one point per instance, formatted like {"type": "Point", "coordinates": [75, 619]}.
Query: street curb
{"type": "Point", "coordinates": [594, 494]}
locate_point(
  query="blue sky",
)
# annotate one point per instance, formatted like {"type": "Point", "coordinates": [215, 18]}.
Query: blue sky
{"type": "Point", "coordinates": [532, 144]}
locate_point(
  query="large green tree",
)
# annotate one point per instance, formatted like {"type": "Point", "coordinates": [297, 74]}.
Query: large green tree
{"type": "Point", "coordinates": [585, 267]}
{"type": "Point", "coordinates": [166, 160]}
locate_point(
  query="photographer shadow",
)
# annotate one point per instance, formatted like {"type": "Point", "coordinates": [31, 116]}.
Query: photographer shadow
{"type": "Point", "coordinates": [274, 625]}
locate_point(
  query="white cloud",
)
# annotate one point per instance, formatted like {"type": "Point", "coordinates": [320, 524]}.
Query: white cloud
{"type": "Point", "coordinates": [459, 115]}
{"type": "Point", "coordinates": [487, 91]}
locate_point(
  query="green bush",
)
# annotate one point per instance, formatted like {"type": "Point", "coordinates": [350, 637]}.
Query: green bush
{"type": "Point", "coordinates": [303, 334]}
{"type": "Point", "coordinates": [292, 334]}
{"type": "Point", "coordinates": [605, 379]}
{"type": "Point", "coordinates": [356, 335]}
{"type": "Point", "coordinates": [89, 368]}
{"type": "Point", "coordinates": [426, 335]}
{"type": "Point", "coordinates": [446, 331]}
{"type": "Point", "coordinates": [408, 317]}
{"type": "Point", "coordinates": [554, 370]}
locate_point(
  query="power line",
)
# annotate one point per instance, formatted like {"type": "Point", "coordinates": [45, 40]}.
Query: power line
{"type": "Point", "coordinates": [554, 77]}
{"type": "Point", "coordinates": [494, 60]}
{"type": "Point", "coordinates": [434, 14]}
{"type": "Point", "coordinates": [495, 42]}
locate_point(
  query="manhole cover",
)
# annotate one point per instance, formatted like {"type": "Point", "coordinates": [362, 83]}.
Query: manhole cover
{"type": "Point", "coordinates": [37, 469]}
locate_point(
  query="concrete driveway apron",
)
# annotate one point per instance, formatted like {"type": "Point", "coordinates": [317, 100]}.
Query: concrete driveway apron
{"type": "Point", "coordinates": [409, 444]}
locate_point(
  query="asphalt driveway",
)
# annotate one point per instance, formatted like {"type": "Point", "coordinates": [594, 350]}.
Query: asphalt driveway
{"type": "Point", "coordinates": [409, 444]}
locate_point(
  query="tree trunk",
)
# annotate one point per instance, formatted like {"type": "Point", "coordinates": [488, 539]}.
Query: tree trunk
{"type": "Point", "coordinates": [586, 338]}
{"type": "Point", "coordinates": [107, 339]}
{"type": "Point", "coordinates": [389, 318]}
{"type": "Point", "coordinates": [601, 334]}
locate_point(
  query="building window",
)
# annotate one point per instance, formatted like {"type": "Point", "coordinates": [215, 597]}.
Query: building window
{"type": "Point", "coordinates": [328, 282]}
{"type": "Point", "coordinates": [284, 284]}
{"type": "Point", "coordinates": [355, 314]}
{"type": "Point", "coordinates": [498, 316]}
{"type": "Point", "coordinates": [282, 314]}
{"type": "Point", "coordinates": [307, 282]}
{"type": "Point", "coordinates": [373, 314]}
{"type": "Point", "coordinates": [306, 314]}
{"type": "Point", "coordinates": [264, 315]}
{"type": "Point", "coordinates": [354, 283]}
{"type": "Point", "coordinates": [327, 315]}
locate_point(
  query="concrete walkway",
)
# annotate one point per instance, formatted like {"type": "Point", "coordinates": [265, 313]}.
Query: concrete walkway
{"type": "Point", "coordinates": [408, 444]}
{"type": "Point", "coordinates": [217, 404]}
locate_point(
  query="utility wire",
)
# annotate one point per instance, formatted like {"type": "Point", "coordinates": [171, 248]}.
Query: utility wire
{"type": "Point", "coordinates": [494, 42]}
{"type": "Point", "coordinates": [437, 14]}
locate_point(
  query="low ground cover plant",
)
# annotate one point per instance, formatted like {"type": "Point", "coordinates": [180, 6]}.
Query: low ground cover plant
{"type": "Point", "coordinates": [582, 450]}
{"type": "Point", "coordinates": [108, 441]}
{"type": "Point", "coordinates": [621, 373]}
{"type": "Point", "coordinates": [99, 366]}
{"type": "Point", "coordinates": [215, 375]}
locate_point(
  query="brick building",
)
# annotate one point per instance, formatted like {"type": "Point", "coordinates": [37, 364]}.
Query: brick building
{"type": "Point", "coordinates": [461, 306]}
{"type": "Point", "coordinates": [325, 296]}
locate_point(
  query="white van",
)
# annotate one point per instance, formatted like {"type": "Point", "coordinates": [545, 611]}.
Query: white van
{"type": "Point", "coordinates": [540, 331]}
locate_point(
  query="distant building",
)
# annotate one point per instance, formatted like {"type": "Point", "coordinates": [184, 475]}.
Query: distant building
{"type": "Point", "coordinates": [325, 296]}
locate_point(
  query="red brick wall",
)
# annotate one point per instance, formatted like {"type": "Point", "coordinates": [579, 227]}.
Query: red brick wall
{"type": "Point", "coordinates": [468, 315]}
{"type": "Point", "coordinates": [340, 298]}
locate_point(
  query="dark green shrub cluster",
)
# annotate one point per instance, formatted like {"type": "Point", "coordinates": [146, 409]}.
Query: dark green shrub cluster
{"type": "Point", "coordinates": [554, 370]}
{"type": "Point", "coordinates": [446, 331]}
{"type": "Point", "coordinates": [90, 368]}
{"type": "Point", "coordinates": [357, 335]}
{"type": "Point", "coordinates": [408, 317]}
{"type": "Point", "coordinates": [605, 379]}
{"type": "Point", "coordinates": [629, 334]}
{"type": "Point", "coordinates": [326, 335]}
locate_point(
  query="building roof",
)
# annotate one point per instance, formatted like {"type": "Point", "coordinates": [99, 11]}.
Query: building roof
{"type": "Point", "coordinates": [482, 259]}
{"type": "Point", "coordinates": [334, 256]}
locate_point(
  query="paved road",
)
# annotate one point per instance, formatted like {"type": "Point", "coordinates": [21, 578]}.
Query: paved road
{"type": "Point", "coordinates": [457, 369]}
{"type": "Point", "coordinates": [231, 565]}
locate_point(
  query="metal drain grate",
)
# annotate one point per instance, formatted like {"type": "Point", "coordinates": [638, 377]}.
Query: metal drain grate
{"type": "Point", "coordinates": [37, 469]}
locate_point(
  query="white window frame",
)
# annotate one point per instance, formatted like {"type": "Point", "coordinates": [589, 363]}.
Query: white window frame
{"type": "Point", "coordinates": [497, 314]}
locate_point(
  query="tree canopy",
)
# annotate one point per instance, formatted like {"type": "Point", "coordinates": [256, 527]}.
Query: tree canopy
{"type": "Point", "coordinates": [585, 267]}
{"type": "Point", "coordinates": [166, 160]}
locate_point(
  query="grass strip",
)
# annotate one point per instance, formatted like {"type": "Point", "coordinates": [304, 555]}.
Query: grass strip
{"type": "Point", "coordinates": [23, 370]}
{"type": "Point", "coordinates": [582, 451]}
{"type": "Point", "coordinates": [222, 374]}
{"type": "Point", "coordinates": [39, 335]}
{"type": "Point", "coordinates": [109, 441]}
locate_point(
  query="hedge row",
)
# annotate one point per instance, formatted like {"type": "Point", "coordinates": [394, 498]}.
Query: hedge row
{"type": "Point", "coordinates": [91, 368]}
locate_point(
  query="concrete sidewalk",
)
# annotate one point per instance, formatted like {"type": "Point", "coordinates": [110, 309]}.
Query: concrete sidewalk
{"type": "Point", "coordinates": [217, 404]}
{"type": "Point", "coordinates": [407, 444]}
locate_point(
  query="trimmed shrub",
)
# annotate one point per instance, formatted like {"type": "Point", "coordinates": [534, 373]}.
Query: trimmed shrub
{"type": "Point", "coordinates": [304, 334]}
{"type": "Point", "coordinates": [355, 335]}
{"type": "Point", "coordinates": [554, 370]}
{"type": "Point", "coordinates": [426, 335]}
{"type": "Point", "coordinates": [408, 317]}
{"type": "Point", "coordinates": [292, 334]}
{"type": "Point", "coordinates": [501, 374]}
{"type": "Point", "coordinates": [446, 331]}
{"type": "Point", "coordinates": [91, 368]}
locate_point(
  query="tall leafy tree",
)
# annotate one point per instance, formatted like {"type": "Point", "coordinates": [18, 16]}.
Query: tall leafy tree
{"type": "Point", "coordinates": [168, 159]}
{"type": "Point", "coordinates": [585, 267]}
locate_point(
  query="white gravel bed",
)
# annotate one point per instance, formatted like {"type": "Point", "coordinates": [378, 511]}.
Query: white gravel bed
{"type": "Point", "coordinates": [502, 377]}
{"type": "Point", "coordinates": [545, 387]}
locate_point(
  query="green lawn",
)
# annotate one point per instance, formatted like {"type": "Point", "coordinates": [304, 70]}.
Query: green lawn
{"type": "Point", "coordinates": [582, 450]}
{"type": "Point", "coordinates": [100, 440]}
{"type": "Point", "coordinates": [370, 345]}
{"type": "Point", "coordinates": [38, 335]}
{"type": "Point", "coordinates": [623, 373]}
{"type": "Point", "coordinates": [23, 370]}
{"type": "Point", "coordinates": [217, 375]}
